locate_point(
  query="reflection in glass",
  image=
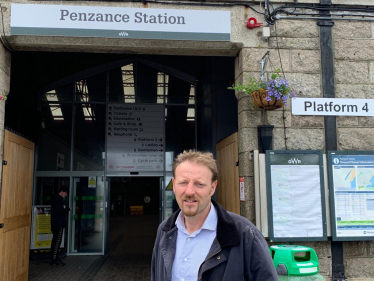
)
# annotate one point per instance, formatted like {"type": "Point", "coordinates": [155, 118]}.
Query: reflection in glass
{"type": "Point", "coordinates": [89, 138]}
{"type": "Point", "coordinates": [46, 187]}
{"type": "Point", "coordinates": [122, 84]}
{"type": "Point", "coordinates": [54, 137]}
{"type": "Point", "coordinates": [91, 89]}
{"type": "Point", "coordinates": [87, 215]}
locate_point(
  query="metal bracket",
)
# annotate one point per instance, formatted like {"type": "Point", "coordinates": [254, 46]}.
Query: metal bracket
{"type": "Point", "coordinates": [1, 225]}
{"type": "Point", "coordinates": [5, 162]}
{"type": "Point", "coordinates": [237, 163]}
{"type": "Point", "coordinates": [325, 23]}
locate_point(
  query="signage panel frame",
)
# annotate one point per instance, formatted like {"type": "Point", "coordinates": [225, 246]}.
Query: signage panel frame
{"type": "Point", "coordinates": [330, 156]}
{"type": "Point", "coordinates": [120, 22]}
{"type": "Point", "coordinates": [269, 164]}
{"type": "Point", "coordinates": [332, 107]}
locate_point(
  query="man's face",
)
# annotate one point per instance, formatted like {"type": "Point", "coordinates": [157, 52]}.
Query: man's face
{"type": "Point", "coordinates": [63, 194]}
{"type": "Point", "coordinates": [193, 188]}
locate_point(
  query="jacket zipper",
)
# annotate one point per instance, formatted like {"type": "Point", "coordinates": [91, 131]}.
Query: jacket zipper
{"type": "Point", "coordinates": [199, 277]}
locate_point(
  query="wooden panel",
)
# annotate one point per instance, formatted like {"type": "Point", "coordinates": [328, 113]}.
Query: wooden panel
{"type": "Point", "coordinates": [228, 174]}
{"type": "Point", "coordinates": [15, 210]}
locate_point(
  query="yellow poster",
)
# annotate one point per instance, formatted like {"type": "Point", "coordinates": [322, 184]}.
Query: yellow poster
{"type": "Point", "coordinates": [42, 233]}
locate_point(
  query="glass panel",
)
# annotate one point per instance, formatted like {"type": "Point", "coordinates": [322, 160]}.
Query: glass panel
{"type": "Point", "coordinates": [47, 187]}
{"type": "Point", "coordinates": [60, 94]}
{"type": "Point", "coordinates": [180, 129]}
{"type": "Point", "coordinates": [54, 137]}
{"type": "Point", "coordinates": [89, 138]}
{"type": "Point", "coordinates": [179, 91]}
{"type": "Point", "coordinates": [122, 84]}
{"type": "Point", "coordinates": [87, 215]}
{"type": "Point", "coordinates": [91, 89]}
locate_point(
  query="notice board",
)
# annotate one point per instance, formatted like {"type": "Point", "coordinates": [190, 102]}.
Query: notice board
{"type": "Point", "coordinates": [351, 182]}
{"type": "Point", "coordinates": [296, 197]}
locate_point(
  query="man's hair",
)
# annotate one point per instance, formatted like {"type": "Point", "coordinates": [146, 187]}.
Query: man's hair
{"type": "Point", "coordinates": [63, 189]}
{"type": "Point", "coordinates": [197, 157]}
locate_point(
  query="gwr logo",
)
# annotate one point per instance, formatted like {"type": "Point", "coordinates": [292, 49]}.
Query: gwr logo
{"type": "Point", "coordinates": [294, 161]}
{"type": "Point", "coordinates": [123, 33]}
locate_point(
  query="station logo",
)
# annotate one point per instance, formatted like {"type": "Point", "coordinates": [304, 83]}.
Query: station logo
{"type": "Point", "coordinates": [294, 161]}
{"type": "Point", "coordinates": [336, 160]}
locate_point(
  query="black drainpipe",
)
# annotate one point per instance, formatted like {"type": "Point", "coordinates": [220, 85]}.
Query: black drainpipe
{"type": "Point", "coordinates": [331, 140]}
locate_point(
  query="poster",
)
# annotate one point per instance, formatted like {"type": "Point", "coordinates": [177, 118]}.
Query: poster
{"type": "Point", "coordinates": [41, 235]}
{"type": "Point", "coordinates": [352, 187]}
{"type": "Point", "coordinates": [295, 192]}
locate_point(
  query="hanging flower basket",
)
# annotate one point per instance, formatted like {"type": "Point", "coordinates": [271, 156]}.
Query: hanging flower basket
{"type": "Point", "coordinates": [268, 95]}
{"type": "Point", "coordinates": [261, 100]}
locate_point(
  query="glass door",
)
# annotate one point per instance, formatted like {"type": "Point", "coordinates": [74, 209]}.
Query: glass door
{"type": "Point", "coordinates": [87, 215]}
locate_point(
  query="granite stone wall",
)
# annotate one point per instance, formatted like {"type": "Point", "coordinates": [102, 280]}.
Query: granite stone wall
{"type": "Point", "coordinates": [299, 56]}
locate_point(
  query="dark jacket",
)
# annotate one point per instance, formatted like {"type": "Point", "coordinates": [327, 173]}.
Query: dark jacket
{"type": "Point", "coordinates": [58, 212]}
{"type": "Point", "coordinates": [239, 251]}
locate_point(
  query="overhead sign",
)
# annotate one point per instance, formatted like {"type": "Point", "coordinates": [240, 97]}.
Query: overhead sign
{"type": "Point", "coordinates": [334, 107]}
{"type": "Point", "coordinates": [135, 138]}
{"type": "Point", "coordinates": [116, 22]}
{"type": "Point", "coordinates": [296, 196]}
{"type": "Point", "coordinates": [351, 181]}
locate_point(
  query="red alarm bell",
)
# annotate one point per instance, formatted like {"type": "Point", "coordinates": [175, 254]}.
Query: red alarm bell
{"type": "Point", "coordinates": [252, 23]}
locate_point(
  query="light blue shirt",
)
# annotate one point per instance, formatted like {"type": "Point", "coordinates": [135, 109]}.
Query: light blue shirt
{"type": "Point", "coordinates": [192, 249]}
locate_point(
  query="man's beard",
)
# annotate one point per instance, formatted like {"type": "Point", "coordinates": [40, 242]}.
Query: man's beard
{"type": "Point", "coordinates": [190, 212]}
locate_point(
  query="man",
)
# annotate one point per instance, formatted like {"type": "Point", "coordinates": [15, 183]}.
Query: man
{"type": "Point", "coordinates": [58, 222]}
{"type": "Point", "coordinates": [203, 241]}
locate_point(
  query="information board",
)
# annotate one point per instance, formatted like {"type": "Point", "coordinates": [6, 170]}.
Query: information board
{"type": "Point", "coordinates": [135, 138]}
{"type": "Point", "coordinates": [296, 200]}
{"type": "Point", "coordinates": [41, 233]}
{"type": "Point", "coordinates": [351, 181]}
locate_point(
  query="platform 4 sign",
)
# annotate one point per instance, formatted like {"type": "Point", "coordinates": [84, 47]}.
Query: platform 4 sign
{"type": "Point", "coordinates": [332, 107]}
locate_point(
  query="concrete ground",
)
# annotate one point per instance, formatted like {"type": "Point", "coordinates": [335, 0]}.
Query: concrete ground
{"type": "Point", "coordinates": [129, 258]}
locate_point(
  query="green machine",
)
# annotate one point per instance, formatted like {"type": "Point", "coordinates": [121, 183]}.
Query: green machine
{"type": "Point", "coordinates": [293, 260]}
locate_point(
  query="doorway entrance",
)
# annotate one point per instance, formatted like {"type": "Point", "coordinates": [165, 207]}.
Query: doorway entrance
{"type": "Point", "coordinates": [134, 214]}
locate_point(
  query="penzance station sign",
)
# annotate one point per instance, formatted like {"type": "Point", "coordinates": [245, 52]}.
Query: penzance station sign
{"type": "Point", "coordinates": [117, 22]}
{"type": "Point", "coordinates": [332, 107]}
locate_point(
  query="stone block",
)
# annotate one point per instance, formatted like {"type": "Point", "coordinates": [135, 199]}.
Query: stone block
{"type": "Point", "coordinates": [351, 72]}
{"type": "Point", "coordinates": [347, 121]}
{"type": "Point", "coordinates": [278, 139]}
{"type": "Point", "coordinates": [249, 189]}
{"type": "Point", "coordinates": [355, 138]}
{"type": "Point", "coordinates": [247, 139]}
{"type": "Point", "coordinates": [250, 119]}
{"type": "Point", "coordinates": [305, 60]}
{"type": "Point", "coordinates": [371, 72]}
{"type": "Point", "coordinates": [370, 248]}
{"type": "Point", "coordinates": [5, 60]}
{"type": "Point", "coordinates": [359, 267]}
{"type": "Point", "coordinates": [366, 121]}
{"type": "Point", "coordinates": [296, 29]}
{"type": "Point", "coordinates": [307, 121]}
{"type": "Point", "coordinates": [245, 103]}
{"type": "Point", "coordinates": [240, 33]}
{"type": "Point", "coordinates": [305, 139]}
{"type": "Point", "coordinates": [349, 91]}
{"type": "Point", "coordinates": [247, 210]}
{"type": "Point", "coordinates": [275, 117]}
{"type": "Point", "coordinates": [354, 29]}
{"type": "Point", "coordinates": [251, 58]}
{"type": "Point", "coordinates": [294, 43]}
{"type": "Point", "coordinates": [246, 167]}
{"type": "Point", "coordinates": [4, 82]}
{"type": "Point", "coordinates": [324, 266]}
{"type": "Point", "coordinates": [305, 85]}
{"type": "Point", "coordinates": [354, 49]}
{"type": "Point", "coordinates": [355, 249]}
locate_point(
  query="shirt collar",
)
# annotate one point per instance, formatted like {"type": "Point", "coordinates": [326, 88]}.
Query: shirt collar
{"type": "Point", "coordinates": [209, 224]}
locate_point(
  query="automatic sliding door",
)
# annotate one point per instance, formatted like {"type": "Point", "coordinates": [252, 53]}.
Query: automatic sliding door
{"type": "Point", "coordinates": [87, 215]}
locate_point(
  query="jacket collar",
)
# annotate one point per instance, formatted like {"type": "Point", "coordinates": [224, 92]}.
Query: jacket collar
{"type": "Point", "coordinates": [227, 234]}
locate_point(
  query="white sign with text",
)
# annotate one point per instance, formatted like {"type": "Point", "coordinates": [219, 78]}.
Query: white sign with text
{"type": "Point", "coordinates": [332, 107]}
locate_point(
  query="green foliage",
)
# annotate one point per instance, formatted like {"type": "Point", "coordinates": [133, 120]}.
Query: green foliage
{"type": "Point", "coordinates": [252, 85]}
